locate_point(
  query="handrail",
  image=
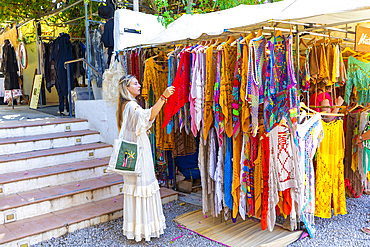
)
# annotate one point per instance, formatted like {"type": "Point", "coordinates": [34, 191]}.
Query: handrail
{"type": "Point", "coordinates": [69, 82]}
{"type": "Point", "coordinates": [87, 63]}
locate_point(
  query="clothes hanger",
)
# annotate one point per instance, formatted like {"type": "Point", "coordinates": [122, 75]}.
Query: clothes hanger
{"type": "Point", "coordinates": [337, 41]}
{"type": "Point", "coordinates": [301, 42]}
{"type": "Point", "coordinates": [219, 41]}
{"type": "Point", "coordinates": [229, 40]}
{"type": "Point", "coordinates": [303, 106]}
{"type": "Point", "coordinates": [366, 108]}
{"type": "Point", "coordinates": [354, 108]}
{"type": "Point", "coordinates": [236, 41]}
{"type": "Point", "coordinates": [259, 34]}
{"type": "Point", "coordinates": [251, 34]}
{"type": "Point", "coordinates": [278, 33]}
{"type": "Point", "coordinates": [320, 41]}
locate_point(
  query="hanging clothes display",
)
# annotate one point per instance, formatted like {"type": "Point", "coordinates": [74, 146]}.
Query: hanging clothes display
{"type": "Point", "coordinates": [48, 70]}
{"type": "Point", "coordinates": [60, 53]}
{"type": "Point", "coordinates": [98, 55]}
{"type": "Point", "coordinates": [352, 177]}
{"type": "Point", "coordinates": [310, 134]}
{"type": "Point", "coordinates": [155, 74]}
{"type": "Point", "coordinates": [9, 68]}
{"type": "Point", "coordinates": [211, 70]}
{"type": "Point", "coordinates": [358, 77]}
{"type": "Point", "coordinates": [250, 167]}
{"type": "Point", "coordinates": [227, 77]}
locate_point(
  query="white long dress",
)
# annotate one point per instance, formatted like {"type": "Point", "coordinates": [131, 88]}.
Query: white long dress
{"type": "Point", "coordinates": [142, 208]}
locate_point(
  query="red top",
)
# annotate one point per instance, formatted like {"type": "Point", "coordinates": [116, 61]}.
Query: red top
{"type": "Point", "coordinates": [182, 85]}
{"type": "Point", "coordinates": [320, 98]}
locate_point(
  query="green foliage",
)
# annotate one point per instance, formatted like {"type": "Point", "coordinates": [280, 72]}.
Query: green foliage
{"type": "Point", "coordinates": [19, 10]}
{"type": "Point", "coordinates": [167, 14]}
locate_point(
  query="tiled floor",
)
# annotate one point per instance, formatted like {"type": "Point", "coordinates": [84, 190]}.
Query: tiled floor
{"type": "Point", "coordinates": [46, 136]}
{"type": "Point", "coordinates": [57, 169]}
{"type": "Point", "coordinates": [53, 192]}
{"type": "Point", "coordinates": [38, 122]}
{"type": "Point", "coordinates": [52, 151]}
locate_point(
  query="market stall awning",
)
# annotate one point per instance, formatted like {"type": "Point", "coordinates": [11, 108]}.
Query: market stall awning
{"type": "Point", "coordinates": [215, 23]}
{"type": "Point", "coordinates": [326, 12]}
{"type": "Point", "coordinates": [245, 17]}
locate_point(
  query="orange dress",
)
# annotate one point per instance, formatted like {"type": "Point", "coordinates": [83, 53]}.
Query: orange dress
{"type": "Point", "coordinates": [243, 86]}
{"type": "Point", "coordinates": [227, 78]}
{"type": "Point", "coordinates": [156, 76]}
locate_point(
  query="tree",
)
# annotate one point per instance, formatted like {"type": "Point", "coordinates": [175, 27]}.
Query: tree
{"type": "Point", "coordinates": [21, 10]}
{"type": "Point", "coordinates": [170, 10]}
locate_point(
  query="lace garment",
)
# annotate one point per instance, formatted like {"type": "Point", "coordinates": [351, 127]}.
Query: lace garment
{"type": "Point", "coordinates": [310, 134]}
{"type": "Point", "coordinates": [359, 77]}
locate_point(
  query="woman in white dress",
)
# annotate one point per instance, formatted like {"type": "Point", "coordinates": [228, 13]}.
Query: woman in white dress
{"type": "Point", "coordinates": [142, 208]}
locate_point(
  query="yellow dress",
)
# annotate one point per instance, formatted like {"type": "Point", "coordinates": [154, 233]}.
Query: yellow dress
{"type": "Point", "coordinates": [330, 171]}
{"type": "Point", "coordinates": [323, 65]}
{"type": "Point", "coordinates": [156, 76]}
{"type": "Point", "coordinates": [211, 69]}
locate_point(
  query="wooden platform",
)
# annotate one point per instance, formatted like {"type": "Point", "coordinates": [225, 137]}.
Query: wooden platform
{"type": "Point", "coordinates": [242, 233]}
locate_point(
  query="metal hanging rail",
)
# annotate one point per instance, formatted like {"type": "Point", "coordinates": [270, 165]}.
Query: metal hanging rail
{"type": "Point", "coordinates": [66, 66]}
{"type": "Point", "coordinates": [60, 10]}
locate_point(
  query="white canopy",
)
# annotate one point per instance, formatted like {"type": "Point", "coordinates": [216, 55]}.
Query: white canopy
{"type": "Point", "coordinates": [326, 12]}
{"type": "Point", "coordinates": [128, 23]}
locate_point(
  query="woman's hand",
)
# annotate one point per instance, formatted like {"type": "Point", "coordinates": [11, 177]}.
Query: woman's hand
{"type": "Point", "coordinates": [339, 101]}
{"type": "Point", "coordinates": [358, 142]}
{"type": "Point", "coordinates": [169, 91]}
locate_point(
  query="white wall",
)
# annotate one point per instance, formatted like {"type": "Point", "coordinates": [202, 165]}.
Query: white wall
{"type": "Point", "coordinates": [101, 117]}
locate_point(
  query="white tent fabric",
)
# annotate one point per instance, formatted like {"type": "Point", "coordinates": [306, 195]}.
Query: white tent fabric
{"type": "Point", "coordinates": [328, 12]}
{"type": "Point", "coordinates": [124, 18]}
{"type": "Point", "coordinates": [193, 26]}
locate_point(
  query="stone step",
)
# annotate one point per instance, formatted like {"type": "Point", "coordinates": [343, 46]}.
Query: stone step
{"type": "Point", "coordinates": [52, 225]}
{"type": "Point", "coordinates": [16, 182]}
{"type": "Point", "coordinates": [45, 141]}
{"type": "Point", "coordinates": [10, 129]}
{"type": "Point", "coordinates": [46, 200]}
{"type": "Point", "coordinates": [54, 156]}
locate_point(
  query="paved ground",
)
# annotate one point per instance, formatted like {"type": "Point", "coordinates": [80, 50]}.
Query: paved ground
{"type": "Point", "coordinates": [23, 112]}
{"type": "Point", "coordinates": [343, 231]}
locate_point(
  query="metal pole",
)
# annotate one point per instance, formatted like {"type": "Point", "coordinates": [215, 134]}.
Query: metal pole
{"type": "Point", "coordinates": [136, 5]}
{"type": "Point", "coordinates": [87, 48]}
{"type": "Point", "coordinates": [69, 91]}
{"type": "Point", "coordinates": [38, 29]}
{"type": "Point", "coordinates": [297, 54]}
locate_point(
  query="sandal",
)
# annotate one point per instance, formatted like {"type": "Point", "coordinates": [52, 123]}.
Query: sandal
{"type": "Point", "coordinates": [366, 230]}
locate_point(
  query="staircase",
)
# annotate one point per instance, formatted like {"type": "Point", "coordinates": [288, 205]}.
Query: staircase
{"type": "Point", "coordinates": [53, 180]}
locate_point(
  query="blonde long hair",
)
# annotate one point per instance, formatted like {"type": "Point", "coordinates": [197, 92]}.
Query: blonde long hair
{"type": "Point", "coordinates": [124, 96]}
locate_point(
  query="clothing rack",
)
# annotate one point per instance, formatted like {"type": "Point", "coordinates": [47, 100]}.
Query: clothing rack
{"type": "Point", "coordinates": [54, 37]}
{"type": "Point", "coordinates": [48, 15]}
